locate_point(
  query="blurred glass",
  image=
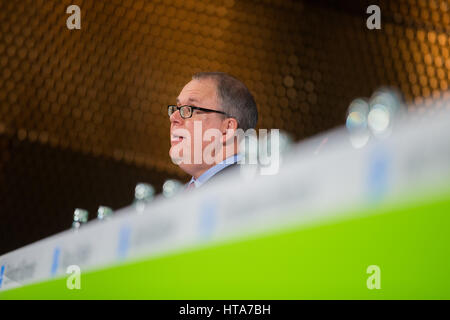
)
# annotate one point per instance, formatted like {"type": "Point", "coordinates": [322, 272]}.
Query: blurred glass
{"type": "Point", "coordinates": [356, 122]}
{"type": "Point", "coordinates": [104, 212]}
{"type": "Point", "coordinates": [143, 195]}
{"type": "Point", "coordinates": [80, 216]}
{"type": "Point", "coordinates": [171, 188]}
{"type": "Point", "coordinates": [386, 107]}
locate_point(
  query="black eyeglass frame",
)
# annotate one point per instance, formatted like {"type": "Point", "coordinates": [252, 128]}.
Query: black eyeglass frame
{"type": "Point", "coordinates": [192, 110]}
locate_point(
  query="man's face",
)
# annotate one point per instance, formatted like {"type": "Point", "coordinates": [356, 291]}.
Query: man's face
{"type": "Point", "coordinates": [198, 93]}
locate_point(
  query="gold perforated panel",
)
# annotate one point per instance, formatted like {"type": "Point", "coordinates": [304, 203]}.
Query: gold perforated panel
{"type": "Point", "coordinates": [101, 92]}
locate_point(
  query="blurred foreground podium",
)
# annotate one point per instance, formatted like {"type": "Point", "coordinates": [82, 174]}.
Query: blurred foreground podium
{"type": "Point", "coordinates": [344, 223]}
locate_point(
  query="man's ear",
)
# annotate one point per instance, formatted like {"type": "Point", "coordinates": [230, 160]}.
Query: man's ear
{"type": "Point", "coordinates": [229, 126]}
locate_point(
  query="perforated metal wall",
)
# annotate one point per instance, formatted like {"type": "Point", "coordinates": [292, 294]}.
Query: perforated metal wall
{"type": "Point", "coordinates": [83, 112]}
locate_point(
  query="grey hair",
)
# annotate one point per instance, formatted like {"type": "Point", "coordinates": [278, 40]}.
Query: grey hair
{"type": "Point", "coordinates": [234, 98]}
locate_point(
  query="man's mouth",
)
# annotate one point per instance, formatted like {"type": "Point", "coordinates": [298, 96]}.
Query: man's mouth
{"type": "Point", "coordinates": [175, 138]}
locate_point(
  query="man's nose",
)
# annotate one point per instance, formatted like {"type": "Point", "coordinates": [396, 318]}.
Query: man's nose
{"type": "Point", "coordinates": [176, 118]}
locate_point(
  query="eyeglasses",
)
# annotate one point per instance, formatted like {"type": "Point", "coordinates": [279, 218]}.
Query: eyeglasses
{"type": "Point", "coordinates": [187, 111]}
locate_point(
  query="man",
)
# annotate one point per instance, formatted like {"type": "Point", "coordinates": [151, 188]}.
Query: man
{"type": "Point", "coordinates": [209, 110]}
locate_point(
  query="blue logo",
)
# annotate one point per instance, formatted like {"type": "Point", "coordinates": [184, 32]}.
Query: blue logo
{"type": "Point", "coordinates": [124, 241]}
{"type": "Point", "coordinates": [2, 272]}
{"type": "Point", "coordinates": [378, 178]}
{"type": "Point", "coordinates": [208, 218]}
{"type": "Point", "coordinates": [55, 263]}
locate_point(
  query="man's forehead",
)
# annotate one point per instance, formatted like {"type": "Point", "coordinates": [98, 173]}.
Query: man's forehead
{"type": "Point", "coordinates": [190, 100]}
{"type": "Point", "coordinates": [197, 91]}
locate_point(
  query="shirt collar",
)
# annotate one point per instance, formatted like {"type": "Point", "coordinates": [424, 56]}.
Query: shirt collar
{"type": "Point", "coordinates": [213, 170]}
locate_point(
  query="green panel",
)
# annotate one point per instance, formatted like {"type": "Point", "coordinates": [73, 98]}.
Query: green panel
{"type": "Point", "coordinates": [409, 244]}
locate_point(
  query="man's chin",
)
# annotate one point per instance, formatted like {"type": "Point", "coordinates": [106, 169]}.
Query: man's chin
{"type": "Point", "coordinates": [178, 160]}
{"type": "Point", "coordinates": [189, 168]}
{"type": "Point", "coordinates": [186, 165]}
